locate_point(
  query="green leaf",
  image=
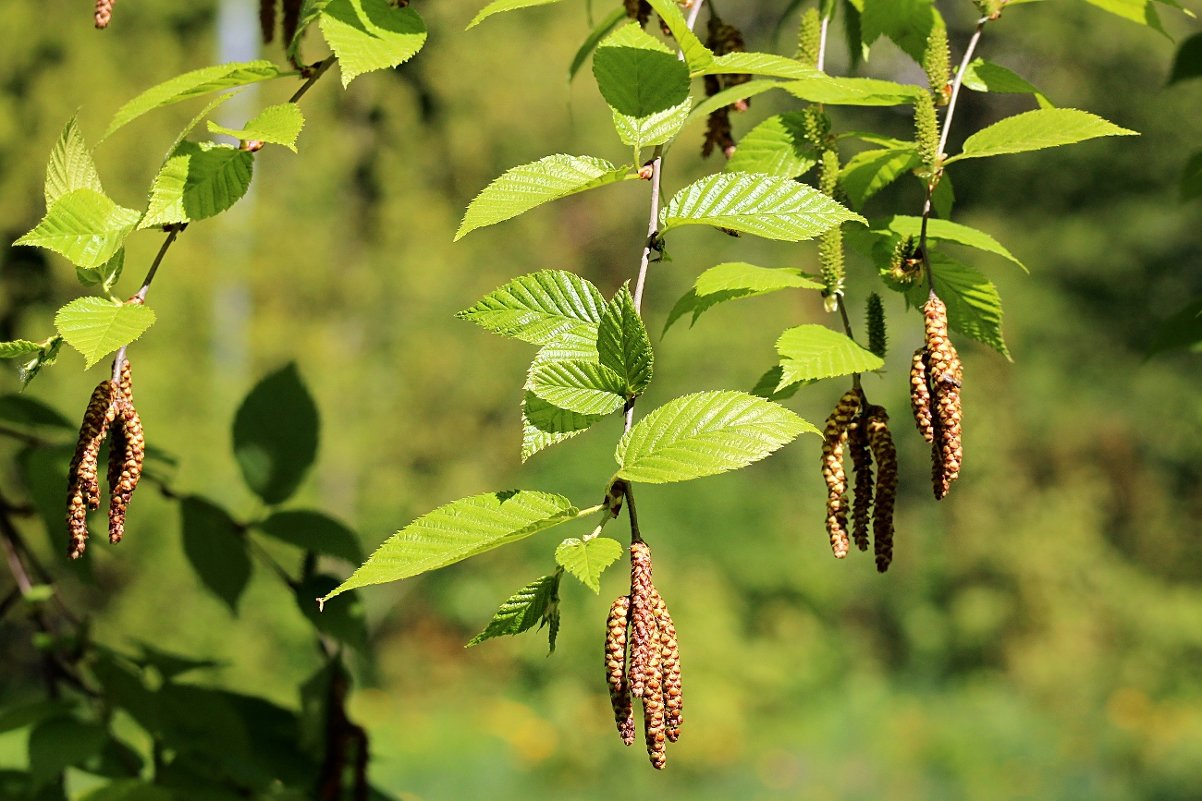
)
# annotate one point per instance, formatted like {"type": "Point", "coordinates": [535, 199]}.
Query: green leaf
{"type": "Point", "coordinates": [310, 12]}
{"type": "Point", "coordinates": [697, 56]}
{"type": "Point", "coordinates": [106, 275]}
{"type": "Point", "coordinates": [906, 22]}
{"type": "Point", "coordinates": [944, 197]}
{"type": "Point", "coordinates": [59, 743]}
{"type": "Point", "coordinates": [734, 280]}
{"type": "Point", "coordinates": [653, 129]}
{"type": "Point", "coordinates": [705, 434]}
{"type": "Point", "coordinates": [852, 91]}
{"type": "Point", "coordinates": [1138, 11]}
{"type": "Point", "coordinates": [777, 146]}
{"type": "Point", "coordinates": [948, 231]}
{"type": "Point", "coordinates": [459, 530]}
{"type": "Point", "coordinates": [545, 424]}
{"type": "Point", "coordinates": [764, 205]}
{"type": "Point", "coordinates": [520, 611]}
{"type": "Point", "coordinates": [1188, 61]}
{"type": "Point", "coordinates": [582, 387]}
{"type": "Point", "coordinates": [97, 327]}
{"type": "Point", "coordinates": [44, 358]}
{"type": "Point", "coordinates": [128, 790]}
{"type": "Point", "coordinates": [192, 84]}
{"type": "Point", "coordinates": [974, 307]}
{"type": "Point", "coordinates": [275, 435]}
{"type": "Point", "coordinates": [71, 166]}
{"type": "Point", "coordinates": [1035, 130]}
{"type": "Point", "coordinates": [215, 548]}
{"type": "Point", "coordinates": [810, 352]}
{"type": "Point", "coordinates": [280, 125]}
{"type": "Point", "coordinates": [870, 171]}
{"type": "Point", "coordinates": [198, 181]}
{"type": "Point", "coordinates": [985, 76]}
{"type": "Point", "coordinates": [1183, 330]}
{"type": "Point", "coordinates": [369, 35]}
{"type": "Point", "coordinates": [1191, 177]}
{"type": "Point", "coordinates": [540, 308]}
{"type": "Point", "coordinates": [528, 186]}
{"type": "Point", "coordinates": [497, 6]}
{"type": "Point", "coordinates": [641, 78]}
{"type": "Point", "coordinates": [590, 44]}
{"type": "Point", "coordinates": [623, 345]}
{"type": "Point", "coordinates": [587, 559]}
{"type": "Point", "coordinates": [17, 348]}
{"type": "Point", "coordinates": [767, 65]}
{"type": "Point", "coordinates": [732, 94]}
{"type": "Point", "coordinates": [345, 622]}
{"type": "Point", "coordinates": [84, 226]}
{"type": "Point", "coordinates": [313, 531]}
{"type": "Point", "coordinates": [26, 411]}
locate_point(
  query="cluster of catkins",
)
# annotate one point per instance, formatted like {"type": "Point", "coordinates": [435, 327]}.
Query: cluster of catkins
{"type": "Point", "coordinates": [110, 414]}
{"type": "Point", "coordinates": [642, 660]}
{"type": "Point", "coordinates": [862, 429]}
{"type": "Point", "coordinates": [103, 13]}
{"type": "Point", "coordinates": [289, 19]}
{"type": "Point", "coordinates": [935, 378]}
{"type": "Point", "coordinates": [722, 39]}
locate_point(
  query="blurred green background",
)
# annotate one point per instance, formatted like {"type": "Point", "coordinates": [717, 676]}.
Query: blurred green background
{"type": "Point", "coordinates": [1040, 632]}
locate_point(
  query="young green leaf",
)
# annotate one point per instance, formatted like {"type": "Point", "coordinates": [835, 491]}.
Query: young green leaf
{"type": "Point", "coordinates": [198, 181]}
{"type": "Point", "coordinates": [767, 65]}
{"type": "Point", "coordinates": [810, 352]}
{"type": "Point", "coordinates": [587, 559]}
{"type": "Point", "coordinates": [653, 129]}
{"type": "Point", "coordinates": [623, 345]}
{"type": "Point", "coordinates": [58, 743]}
{"type": "Point", "coordinates": [735, 280]}
{"type": "Point", "coordinates": [192, 84]}
{"type": "Point", "coordinates": [731, 94]}
{"type": "Point", "coordinates": [43, 358]}
{"type": "Point", "coordinates": [84, 226]}
{"type": "Point", "coordinates": [705, 434]}
{"type": "Point", "coordinates": [1036, 130]}
{"type": "Point", "coordinates": [544, 424]}
{"type": "Point", "coordinates": [638, 76]}
{"type": "Point", "coordinates": [532, 604]}
{"type": "Point", "coordinates": [215, 548]}
{"type": "Point", "coordinates": [852, 91]}
{"type": "Point", "coordinates": [106, 275]}
{"type": "Point", "coordinates": [458, 530]}
{"type": "Point", "coordinates": [279, 124]}
{"type": "Point", "coordinates": [310, 12]}
{"type": "Point", "coordinates": [764, 205]}
{"type": "Point", "coordinates": [498, 6]}
{"type": "Point", "coordinates": [1138, 11]}
{"type": "Point", "coordinates": [97, 326]}
{"type": "Point", "coordinates": [985, 76]}
{"type": "Point", "coordinates": [590, 44]}
{"type": "Point", "coordinates": [369, 35]}
{"type": "Point", "coordinates": [974, 307]}
{"type": "Point", "coordinates": [582, 387]}
{"type": "Point", "coordinates": [906, 22]}
{"type": "Point", "coordinates": [540, 308]}
{"type": "Point", "coordinates": [528, 186]}
{"type": "Point", "coordinates": [71, 166]}
{"type": "Point", "coordinates": [948, 231]}
{"type": "Point", "coordinates": [777, 146]}
{"type": "Point", "coordinates": [696, 55]}
{"type": "Point", "coordinates": [870, 171]}
{"type": "Point", "coordinates": [769, 386]}
{"type": "Point", "coordinates": [313, 531]}
{"type": "Point", "coordinates": [275, 435]}
{"type": "Point", "coordinates": [17, 348]}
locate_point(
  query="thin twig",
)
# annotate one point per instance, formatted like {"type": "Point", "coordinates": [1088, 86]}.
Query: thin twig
{"type": "Point", "coordinates": [317, 73]}
{"type": "Point", "coordinates": [140, 295]}
{"type": "Point", "coordinates": [826, 24]}
{"type": "Point", "coordinates": [855, 377]}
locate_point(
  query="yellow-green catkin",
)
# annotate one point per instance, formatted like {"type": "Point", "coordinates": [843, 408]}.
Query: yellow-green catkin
{"type": "Point", "coordinates": [830, 243]}
{"type": "Point", "coordinates": [878, 339]}
{"type": "Point", "coordinates": [809, 38]}
{"type": "Point", "coordinates": [926, 131]}
{"type": "Point", "coordinates": [936, 63]}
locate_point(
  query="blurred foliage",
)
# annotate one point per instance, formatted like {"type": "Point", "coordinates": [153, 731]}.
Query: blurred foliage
{"type": "Point", "coordinates": [1037, 635]}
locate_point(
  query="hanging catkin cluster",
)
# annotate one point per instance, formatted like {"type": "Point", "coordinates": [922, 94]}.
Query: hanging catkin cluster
{"type": "Point", "coordinates": [638, 10]}
{"type": "Point", "coordinates": [722, 39]}
{"type": "Point", "coordinates": [103, 13]}
{"type": "Point", "coordinates": [289, 20]}
{"type": "Point", "coordinates": [936, 375]}
{"type": "Point", "coordinates": [642, 660]}
{"type": "Point", "coordinates": [863, 430]}
{"type": "Point", "coordinates": [110, 412]}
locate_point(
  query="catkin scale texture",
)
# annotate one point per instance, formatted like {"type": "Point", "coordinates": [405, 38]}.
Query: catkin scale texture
{"type": "Point", "coordinates": [83, 486]}
{"type": "Point", "coordinates": [833, 445]}
{"type": "Point", "coordinates": [615, 668]}
{"type": "Point", "coordinates": [880, 440]}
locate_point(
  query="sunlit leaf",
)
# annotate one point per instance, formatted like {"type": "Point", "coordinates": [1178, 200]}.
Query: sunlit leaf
{"type": "Point", "coordinates": [532, 604]}
{"type": "Point", "coordinates": [810, 352]}
{"type": "Point", "coordinates": [588, 559]}
{"type": "Point", "coordinates": [71, 166]}
{"type": "Point", "coordinates": [369, 35]}
{"type": "Point", "coordinates": [198, 181]}
{"type": "Point", "coordinates": [279, 124]}
{"type": "Point", "coordinates": [84, 226]}
{"type": "Point", "coordinates": [1036, 130]}
{"type": "Point", "coordinates": [498, 6]}
{"type": "Point", "coordinates": [734, 280]}
{"type": "Point", "coordinates": [97, 327]}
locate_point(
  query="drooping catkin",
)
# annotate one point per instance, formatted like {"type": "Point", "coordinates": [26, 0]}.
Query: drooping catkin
{"type": "Point", "coordinates": [127, 452]}
{"type": "Point", "coordinates": [290, 20]}
{"type": "Point", "coordinates": [615, 667]}
{"type": "Point", "coordinates": [874, 312]}
{"type": "Point", "coordinates": [833, 444]}
{"type": "Point", "coordinates": [885, 454]}
{"type": "Point", "coordinates": [830, 243]}
{"type": "Point", "coordinates": [936, 63]}
{"type": "Point", "coordinates": [861, 459]}
{"type": "Point", "coordinates": [83, 486]}
{"type": "Point", "coordinates": [920, 395]}
{"type": "Point", "coordinates": [103, 14]}
{"type": "Point", "coordinates": [669, 653]}
{"type": "Point", "coordinates": [944, 376]}
{"type": "Point", "coordinates": [809, 38]}
{"type": "Point", "coordinates": [642, 619]}
{"type": "Point", "coordinates": [926, 130]}
{"type": "Point", "coordinates": [655, 728]}
{"type": "Point", "coordinates": [267, 20]}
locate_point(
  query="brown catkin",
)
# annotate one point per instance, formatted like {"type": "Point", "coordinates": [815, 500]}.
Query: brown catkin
{"type": "Point", "coordinates": [615, 668]}
{"type": "Point", "coordinates": [655, 729]}
{"type": "Point", "coordinates": [638, 10]}
{"type": "Point", "coordinates": [861, 459]}
{"type": "Point", "coordinates": [83, 487]}
{"type": "Point", "coordinates": [642, 619]}
{"type": "Point", "coordinates": [920, 395]}
{"type": "Point", "coordinates": [290, 20]}
{"type": "Point", "coordinates": [103, 13]}
{"type": "Point", "coordinates": [669, 654]}
{"type": "Point", "coordinates": [267, 19]}
{"type": "Point", "coordinates": [944, 375]}
{"type": "Point", "coordinates": [834, 441]}
{"type": "Point", "coordinates": [885, 454]}
{"type": "Point", "coordinates": [127, 452]}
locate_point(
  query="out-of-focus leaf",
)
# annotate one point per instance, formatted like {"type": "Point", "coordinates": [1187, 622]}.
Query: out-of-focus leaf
{"type": "Point", "coordinates": [519, 612]}
{"type": "Point", "coordinates": [275, 435]}
{"type": "Point", "coordinates": [314, 531]}
{"type": "Point", "coordinates": [215, 548]}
